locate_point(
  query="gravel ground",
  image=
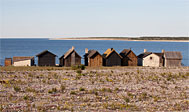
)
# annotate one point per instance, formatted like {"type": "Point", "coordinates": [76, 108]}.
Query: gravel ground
{"type": "Point", "coordinates": [103, 89]}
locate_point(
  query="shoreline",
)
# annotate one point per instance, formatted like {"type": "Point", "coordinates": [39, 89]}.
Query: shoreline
{"type": "Point", "coordinates": [118, 39]}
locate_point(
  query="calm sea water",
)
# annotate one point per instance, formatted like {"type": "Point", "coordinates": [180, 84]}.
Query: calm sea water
{"type": "Point", "coordinates": [31, 47]}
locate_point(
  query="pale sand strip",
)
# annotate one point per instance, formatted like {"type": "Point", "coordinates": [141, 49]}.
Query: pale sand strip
{"type": "Point", "coordinates": [117, 39]}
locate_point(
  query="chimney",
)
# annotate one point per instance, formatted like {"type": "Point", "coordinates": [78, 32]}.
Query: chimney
{"type": "Point", "coordinates": [73, 47]}
{"type": "Point", "coordinates": [86, 50]}
{"type": "Point", "coordinates": [145, 50]}
{"type": "Point", "coordinates": [163, 51]}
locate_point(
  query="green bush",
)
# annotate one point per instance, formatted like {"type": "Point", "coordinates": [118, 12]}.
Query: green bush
{"type": "Point", "coordinates": [17, 88]}
{"type": "Point", "coordinates": [81, 89]}
{"type": "Point", "coordinates": [62, 88]}
{"type": "Point", "coordinates": [26, 97]}
{"type": "Point", "coordinates": [82, 67]}
{"type": "Point", "coordinates": [72, 92]}
{"type": "Point", "coordinates": [79, 71]}
{"type": "Point", "coordinates": [53, 90]}
{"type": "Point", "coordinates": [75, 67]}
{"type": "Point", "coordinates": [127, 100]}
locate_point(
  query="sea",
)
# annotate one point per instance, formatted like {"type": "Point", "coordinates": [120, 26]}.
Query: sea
{"type": "Point", "coordinates": [32, 47]}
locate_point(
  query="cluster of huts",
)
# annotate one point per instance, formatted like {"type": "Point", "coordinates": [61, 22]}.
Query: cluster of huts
{"type": "Point", "coordinates": [93, 58]}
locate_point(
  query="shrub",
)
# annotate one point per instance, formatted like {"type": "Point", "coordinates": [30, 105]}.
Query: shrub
{"type": "Point", "coordinates": [72, 92]}
{"type": "Point", "coordinates": [62, 87]}
{"type": "Point", "coordinates": [129, 94]}
{"type": "Point", "coordinates": [144, 95]}
{"type": "Point", "coordinates": [127, 100]}
{"type": "Point", "coordinates": [26, 97]}
{"type": "Point", "coordinates": [106, 90]}
{"type": "Point", "coordinates": [82, 67]}
{"type": "Point", "coordinates": [116, 89]}
{"type": "Point", "coordinates": [79, 71]}
{"type": "Point", "coordinates": [74, 68]}
{"type": "Point", "coordinates": [17, 88]}
{"type": "Point", "coordinates": [30, 89]}
{"type": "Point", "coordinates": [53, 90]}
{"type": "Point", "coordinates": [81, 89]}
{"type": "Point", "coordinates": [96, 93]}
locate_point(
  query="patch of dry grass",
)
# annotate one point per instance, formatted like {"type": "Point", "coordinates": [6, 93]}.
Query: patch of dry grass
{"type": "Point", "coordinates": [97, 89]}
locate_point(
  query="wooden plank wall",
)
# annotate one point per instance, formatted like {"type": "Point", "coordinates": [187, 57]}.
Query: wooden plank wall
{"type": "Point", "coordinates": [113, 60]}
{"type": "Point", "coordinates": [96, 60]}
{"type": "Point", "coordinates": [46, 60]}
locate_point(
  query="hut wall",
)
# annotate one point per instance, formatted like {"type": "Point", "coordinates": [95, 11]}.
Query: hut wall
{"type": "Point", "coordinates": [151, 60]}
{"type": "Point", "coordinates": [104, 62]}
{"type": "Point", "coordinates": [67, 61]}
{"type": "Point", "coordinates": [124, 61]}
{"type": "Point", "coordinates": [61, 61]}
{"type": "Point", "coordinates": [129, 60]}
{"type": "Point", "coordinates": [86, 59]}
{"type": "Point", "coordinates": [95, 60]}
{"type": "Point", "coordinates": [46, 60]}
{"type": "Point", "coordinates": [23, 63]}
{"type": "Point", "coordinates": [132, 60]}
{"type": "Point", "coordinates": [172, 63]}
{"type": "Point", "coordinates": [140, 62]}
{"type": "Point", "coordinates": [113, 60]}
{"type": "Point", "coordinates": [8, 61]}
{"type": "Point", "coordinates": [77, 59]}
{"type": "Point", "coordinates": [72, 59]}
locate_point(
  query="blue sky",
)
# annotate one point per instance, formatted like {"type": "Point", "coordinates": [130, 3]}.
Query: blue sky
{"type": "Point", "coordinates": [90, 18]}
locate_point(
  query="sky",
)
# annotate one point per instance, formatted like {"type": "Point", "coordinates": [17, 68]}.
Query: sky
{"type": "Point", "coordinates": [93, 18]}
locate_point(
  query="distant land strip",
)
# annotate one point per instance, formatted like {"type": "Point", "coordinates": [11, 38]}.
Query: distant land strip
{"type": "Point", "coordinates": [177, 39]}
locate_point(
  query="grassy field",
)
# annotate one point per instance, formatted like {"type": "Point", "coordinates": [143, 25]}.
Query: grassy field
{"type": "Point", "coordinates": [94, 89]}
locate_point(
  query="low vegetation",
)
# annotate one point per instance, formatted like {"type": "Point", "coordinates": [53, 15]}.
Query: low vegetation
{"type": "Point", "coordinates": [94, 89]}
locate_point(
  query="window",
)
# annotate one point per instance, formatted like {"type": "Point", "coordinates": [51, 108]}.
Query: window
{"type": "Point", "coordinates": [151, 58]}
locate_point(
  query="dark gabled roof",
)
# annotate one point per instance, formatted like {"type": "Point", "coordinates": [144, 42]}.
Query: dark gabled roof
{"type": "Point", "coordinates": [173, 55]}
{"type": "Point", "coordinates": [108, 52]}
{"type": "Point", "coordinates": [143, 55]}
{"type": "Point", "coordinates": [68, 53]}
{"type": "Point", "coordinates": [8, 58]}
{"type": "Point", "coordinates": [46, 51]}
{"type": "Point", "coordinates": [92, 52]}
{"type": "Point", "coordinates": [126, 52]}
{"type": "Point", "coordinates": [159, 54]}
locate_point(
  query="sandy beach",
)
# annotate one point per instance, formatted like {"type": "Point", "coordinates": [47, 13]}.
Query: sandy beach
{"type": "Point", "coordinates": [94, 89]}
{"type": "Point", "coordinates": [117, 39]}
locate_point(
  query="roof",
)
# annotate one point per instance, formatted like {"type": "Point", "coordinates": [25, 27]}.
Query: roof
{"type": "Point", "coordinates": [173, 55]}
{"type": "Point", "coordinates": [45, 51]}
{"type": "Point", "coordinates": [8, 58]}
{"type": "Point", "coordinates": [126, 52]}
{"type": "Point", "coordinates": [68, 53]}
{"type": "Point", "coordinates": [22, 58]}
{"type": "Point", "coordinates": [159, 54]}
{"type": "Point", "coordinates": [110, 51]}
{"type": "Point", "coordinates": [143, 55]}
{"type": "Point", "coordinates": [92, 52]}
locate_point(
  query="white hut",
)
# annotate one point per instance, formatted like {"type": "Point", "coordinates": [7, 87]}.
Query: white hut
{"type": "Point", "coordinates": [153, 60]}
{"type": "Point", "coordinates": [23, 61]}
